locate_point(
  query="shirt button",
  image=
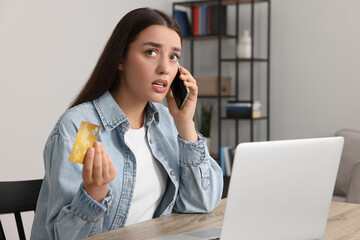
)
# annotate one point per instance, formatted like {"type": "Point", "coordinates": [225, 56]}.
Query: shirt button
{"type": "Point", "coordinates": [171, 204]}
{"type": "Point", "coordinates": [172, 172]}
{"type": "Point", "coordinates": [129, 184]}
{"type": "Point", "coordinates": [151, 140]}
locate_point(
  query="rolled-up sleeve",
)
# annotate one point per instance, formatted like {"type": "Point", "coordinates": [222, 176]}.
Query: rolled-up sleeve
{"type": "Point", "coordinates": [201, 178]}
{"type": "Point", "coordinates": [83, 217]}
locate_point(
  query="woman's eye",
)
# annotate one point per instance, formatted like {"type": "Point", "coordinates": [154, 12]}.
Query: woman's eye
{"type": "Point", "coordinates": [151, 53]}
{"type": "Point", "coordinates": [174, 57]}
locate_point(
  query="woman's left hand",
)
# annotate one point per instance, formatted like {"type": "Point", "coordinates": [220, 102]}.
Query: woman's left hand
{"type": "Point", "coordinates": [184, 118]}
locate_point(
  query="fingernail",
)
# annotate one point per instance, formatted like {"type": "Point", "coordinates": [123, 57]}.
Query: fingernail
{"type": "Point", "coordinates": [90, 150]}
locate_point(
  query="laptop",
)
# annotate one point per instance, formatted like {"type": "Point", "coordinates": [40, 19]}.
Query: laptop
{"type": "Point", "coordinates": [278, 190]}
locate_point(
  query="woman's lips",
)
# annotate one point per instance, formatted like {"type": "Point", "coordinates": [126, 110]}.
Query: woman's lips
{"type": "Point", "coordinates": [159, 85]}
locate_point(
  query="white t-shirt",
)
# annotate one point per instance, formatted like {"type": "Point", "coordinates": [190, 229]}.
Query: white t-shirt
{"type": "Point", "coordinates": [150, 182]}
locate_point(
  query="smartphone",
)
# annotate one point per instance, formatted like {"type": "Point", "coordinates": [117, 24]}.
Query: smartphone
{"type": "Point", "coordinates": [179, 90]}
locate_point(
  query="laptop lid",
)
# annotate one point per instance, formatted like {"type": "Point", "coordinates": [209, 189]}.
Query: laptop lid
{"type": "Point", "coordinates": [281, 189]}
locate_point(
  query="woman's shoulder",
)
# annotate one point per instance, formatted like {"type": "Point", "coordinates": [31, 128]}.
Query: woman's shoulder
{"type": "Point", "coordinates": [69, 122]}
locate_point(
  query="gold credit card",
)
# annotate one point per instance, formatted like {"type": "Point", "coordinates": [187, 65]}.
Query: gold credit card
{"type": "Point", "coordinates": [85, 138]}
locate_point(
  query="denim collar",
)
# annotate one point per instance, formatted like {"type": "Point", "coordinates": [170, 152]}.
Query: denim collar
{"type": "Point", "coordinates": [112, 116]}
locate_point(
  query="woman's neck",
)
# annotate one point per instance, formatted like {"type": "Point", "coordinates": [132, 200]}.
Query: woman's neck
{"type": "Point", "coordinates": [134, 110]}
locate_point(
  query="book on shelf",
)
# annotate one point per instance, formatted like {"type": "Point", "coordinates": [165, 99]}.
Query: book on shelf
{"type": "Point", "coordinates": [206, 21]}
{"type": "Point", "coordinates": [195, 21]}
{"type": "Point", "coordinates": [222, 161]}
{"type": "Point", "coordinates": [182, 19]}
{"type": "Point", "coordinates": [243, 114]}
{"type": "Point", "coordinates": [200, 19]}
{"type": "Point", "coordinates": [216, 26]}
{"type": "Point", "coordinates": [245, 104]}
{"type": "Point", "coordinates": [203, 19]}
{"type": "Point", "coordinates": [226, 159]}
{"type": "Point", "coordinates": [235, 109]}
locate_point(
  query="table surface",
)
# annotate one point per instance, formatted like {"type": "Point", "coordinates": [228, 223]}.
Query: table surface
{"type": "Point", "coordinates": [343, 223]}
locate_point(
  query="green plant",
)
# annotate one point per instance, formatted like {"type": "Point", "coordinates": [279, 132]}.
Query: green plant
{"type": "Point", "coordinates": [204, 121]}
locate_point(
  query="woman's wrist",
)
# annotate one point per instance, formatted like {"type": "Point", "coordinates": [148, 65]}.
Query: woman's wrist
{"type": "Point", "coordinates": [98, 193]}
{"type": "Point", "coordinates": [188, 132]}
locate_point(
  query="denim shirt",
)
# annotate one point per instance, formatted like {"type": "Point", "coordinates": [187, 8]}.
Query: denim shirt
{"type": "Point", "coordinates": [64, 209]}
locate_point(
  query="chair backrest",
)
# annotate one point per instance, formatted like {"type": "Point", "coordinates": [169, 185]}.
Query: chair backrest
{"type": "Point", "coordinates": [16, 197]}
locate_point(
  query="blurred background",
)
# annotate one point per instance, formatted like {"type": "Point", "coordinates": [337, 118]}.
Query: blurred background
{"type": "Point", "coordinates": [49, 48]}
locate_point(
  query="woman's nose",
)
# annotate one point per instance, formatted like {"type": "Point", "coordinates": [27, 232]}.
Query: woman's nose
{"type": "Point", "coordinates": [163, 66]}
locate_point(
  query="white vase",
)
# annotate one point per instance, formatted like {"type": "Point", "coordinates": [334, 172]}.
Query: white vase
{"type": "Point", "coordinates": [244, 46]}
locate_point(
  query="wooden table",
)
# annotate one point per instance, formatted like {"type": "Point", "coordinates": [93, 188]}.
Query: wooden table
{"type": "Point", "coordinates": [343, 223]}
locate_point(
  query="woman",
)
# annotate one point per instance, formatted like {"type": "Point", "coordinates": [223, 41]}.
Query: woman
{"type": "Point", "coordinates": [148, 161]}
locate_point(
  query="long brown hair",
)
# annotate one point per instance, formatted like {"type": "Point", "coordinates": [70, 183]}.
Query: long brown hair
{"type": "Point", "coordinates": [106, 74]}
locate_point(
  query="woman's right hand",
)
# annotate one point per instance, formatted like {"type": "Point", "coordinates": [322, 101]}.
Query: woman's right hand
{"type": "Point", "coordinates": [98, 172]}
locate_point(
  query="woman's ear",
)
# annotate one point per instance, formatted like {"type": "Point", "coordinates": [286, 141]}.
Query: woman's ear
{"type": "Point", "coordinates": [121, 66]}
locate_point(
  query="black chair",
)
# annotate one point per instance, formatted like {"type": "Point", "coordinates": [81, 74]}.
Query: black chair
{"type": "Point", "coordinates": [16, 197]}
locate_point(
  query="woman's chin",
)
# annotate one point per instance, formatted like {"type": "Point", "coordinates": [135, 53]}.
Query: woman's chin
{"type": "Point", "coordinates": [157, 99]}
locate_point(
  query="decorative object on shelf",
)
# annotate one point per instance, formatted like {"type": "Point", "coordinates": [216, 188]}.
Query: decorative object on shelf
{"type": "Point", "coordinates": [204, 122]}
{"type": "Point", "coordinates": [238, 109]}
{"type": "Point", "coordinates": [244, 46]}
{"type": "Point", "coordinates": [208, 86]}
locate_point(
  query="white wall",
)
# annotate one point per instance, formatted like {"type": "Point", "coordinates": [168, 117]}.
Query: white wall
{"type": "Point", "coordinates": [314, 67]}
{"type": "Point", "coordinates": [48, 49]}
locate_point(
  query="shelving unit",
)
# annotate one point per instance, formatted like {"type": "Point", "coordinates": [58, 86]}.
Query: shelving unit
{"type": "Point", "coordinates": [219, 38]}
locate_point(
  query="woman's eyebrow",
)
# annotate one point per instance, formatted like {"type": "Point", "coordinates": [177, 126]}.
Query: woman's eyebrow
{"type": "Point", "coordinates": [158, 45]}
